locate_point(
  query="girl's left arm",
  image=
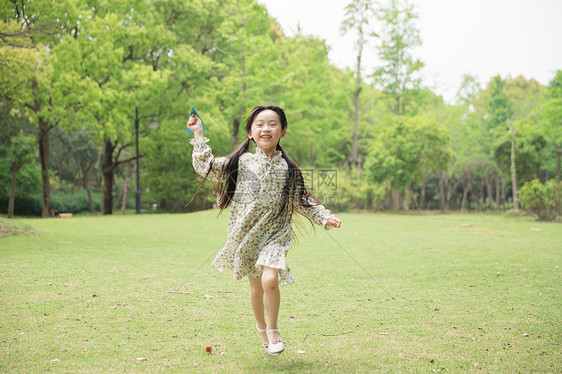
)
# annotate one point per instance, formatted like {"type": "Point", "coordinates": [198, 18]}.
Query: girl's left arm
{"type": "Point", "coordinates": [318, 214]}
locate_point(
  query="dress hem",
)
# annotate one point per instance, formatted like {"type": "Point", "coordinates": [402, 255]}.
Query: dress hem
{"type": "Point", "coordinates": [285, 276]}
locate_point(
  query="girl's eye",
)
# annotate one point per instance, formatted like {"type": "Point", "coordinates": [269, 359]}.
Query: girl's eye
{"type": "Point", "coordinates": [259, 125]}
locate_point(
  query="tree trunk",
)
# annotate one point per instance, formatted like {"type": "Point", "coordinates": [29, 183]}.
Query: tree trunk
{"type": "Point", "coordinates": [107, 171]}
{"type": "Point", "coordinates": [356, 112]}
{"type": "Point", "coordinates": [413, 198]}
{"type": "Point", "coordinates": [87, 184]}
{"type": "Point", "coordinates": [558, 155]}
{"type": "Point", "coordinates": [497, 192]}
{"type": "Point", "coordinates": [442, 191]}
{"type": "Point", "coordinates": [502, 190]}
{"type": "Point", "coordinates": [88, 188]}
{"type": "Point", "coordinates": [422, 194]}
{"type": "Point", "coordinates": [235, 126]}
{"type": "Point", "coordinates": [236, 122]}
{"type": "Point", "coordinates": [450, 190]}
{"type": "Point", "coordinates": [465, 189]}
{"type": "Point", "coordinates": [513, 170]}
{"type": "Point", "coordinates": [124, 201]}
{"type": "Point", "coordinates": [117, 201]}
{"type": "Point", "coordinates": [395, 199]}
{"type": "Point", "coordinates": [60, 167]}
{"type": "Point", "coordinates": [11, 201]}
{"type": "Point", "coordinates": [92, 206]}
{"type": "Point", "coordinates": [43, 140]}
{"type": "Point", "coordinates": [488, 199]}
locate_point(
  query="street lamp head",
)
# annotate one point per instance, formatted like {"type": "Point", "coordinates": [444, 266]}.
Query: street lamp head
{"type": "Point", "coordinates": [153, 125]}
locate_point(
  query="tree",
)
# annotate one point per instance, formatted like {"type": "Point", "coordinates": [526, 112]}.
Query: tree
{"type": "Point", "coordinates": [551, 119]}
{"type": "Point", "coordinates": [115, 55]}
{"type": "Point", "coordinates": [20, 153]}
{"type": "Point", "coordinates": [399, 74]}
{"type": "Point", "coordinates": [247, 54]}
{"type": "Point", "coordinates": [468, 92]}
{"type": "Point", "coordinates": [501, 113]}
{"type": "Point", "coordinates": [45, 88]}
{"type": "Point", "coordinates": [317, 98]}
{"type": "Point", "coordinates": [17, 145]}
{"type": "Point", "coordinates": [358, 14]}
{"type": "Point", "coordinates": [75, 157]}
{"type": "Point", "coordinates": [407, 152]}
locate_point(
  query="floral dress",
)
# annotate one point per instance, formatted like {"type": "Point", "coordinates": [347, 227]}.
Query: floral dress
{"type": "Point", "coordinates": [257, 235]}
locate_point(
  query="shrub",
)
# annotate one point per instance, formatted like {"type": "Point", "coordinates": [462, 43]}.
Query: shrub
{"type": "Point", "coordinates": [541, 199]}
{"type": "Point", "coordinates": [67, 203]}
{"type": "Point", "coordinates": [30, 205]}
{"type": "Point", "coordinates": [343, 191]}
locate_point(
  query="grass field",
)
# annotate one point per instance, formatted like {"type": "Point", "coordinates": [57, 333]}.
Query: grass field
{"type": "Point", "coordinates": [385, 293]}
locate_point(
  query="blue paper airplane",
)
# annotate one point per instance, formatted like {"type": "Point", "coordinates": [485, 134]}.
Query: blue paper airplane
{"type": "Point", "coordinates": [188, 131]}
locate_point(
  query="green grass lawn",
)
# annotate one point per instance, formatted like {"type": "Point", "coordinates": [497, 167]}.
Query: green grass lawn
{"type": "Point", "coordinates": [426, 293]}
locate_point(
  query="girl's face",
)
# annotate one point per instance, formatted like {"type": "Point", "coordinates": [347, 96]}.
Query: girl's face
{"type": "Point", "coordinates": [266, 131]}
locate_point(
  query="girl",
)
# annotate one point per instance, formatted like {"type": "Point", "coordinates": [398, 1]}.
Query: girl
{"type": "Point", "coordinates": [264, 189]}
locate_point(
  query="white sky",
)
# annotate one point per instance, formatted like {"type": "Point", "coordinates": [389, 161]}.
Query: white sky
{"type": "Point", "coordinates": [480, 37]}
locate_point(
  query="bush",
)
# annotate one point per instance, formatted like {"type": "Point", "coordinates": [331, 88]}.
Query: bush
{"type": "Point", "coordinates": [541, 199]}
{"type": "Point", "coordinates": [341, 191]}
{"type": "Point", "coordinates": [30, 205]}
{"type": "Point", "coordinates": [77, 203]}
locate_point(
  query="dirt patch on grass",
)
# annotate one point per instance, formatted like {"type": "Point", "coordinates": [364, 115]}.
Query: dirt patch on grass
{"type": "Point", "coordinates": [10, 227]}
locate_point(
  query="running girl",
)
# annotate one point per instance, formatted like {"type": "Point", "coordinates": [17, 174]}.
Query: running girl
{"type": "Point", "coordinates": [264, 189]}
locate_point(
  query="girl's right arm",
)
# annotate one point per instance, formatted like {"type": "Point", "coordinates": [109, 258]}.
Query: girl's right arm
{"type": "Point", "coordinates": [203, 159]}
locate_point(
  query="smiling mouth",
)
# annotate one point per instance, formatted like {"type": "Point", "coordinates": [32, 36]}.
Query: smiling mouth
{"type": "Point", "coordinates": [265, 137]}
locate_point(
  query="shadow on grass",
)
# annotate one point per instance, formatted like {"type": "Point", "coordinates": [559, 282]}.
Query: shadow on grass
{"type": "Point", "coordinates": [275, 364]}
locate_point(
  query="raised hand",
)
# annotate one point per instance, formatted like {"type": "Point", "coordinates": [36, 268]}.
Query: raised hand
{"type": "Point", "coordinates": [195, 125]}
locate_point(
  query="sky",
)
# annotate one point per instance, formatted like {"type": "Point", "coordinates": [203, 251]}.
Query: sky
{"type": "Point", "coordinates": [479, 37]}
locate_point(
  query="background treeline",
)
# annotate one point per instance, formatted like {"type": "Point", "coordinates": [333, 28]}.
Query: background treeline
{"type": "Point", "coordinates": [72, 73]}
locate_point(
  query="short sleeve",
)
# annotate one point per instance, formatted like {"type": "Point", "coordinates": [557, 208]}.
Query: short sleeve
{"type": "Point", "coordinates": [203, 159]}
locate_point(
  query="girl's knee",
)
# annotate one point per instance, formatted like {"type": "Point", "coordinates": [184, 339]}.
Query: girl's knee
{"type": "Point", "coordinates": [269, 279]}
{"type": "Point", "coordinates": [256, 286]}
{"type": "Point", "coordinates": [256, 291]}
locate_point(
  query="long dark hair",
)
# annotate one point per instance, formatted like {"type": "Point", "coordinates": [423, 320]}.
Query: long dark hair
{"type": "Point", "coordinates": [294, 190]}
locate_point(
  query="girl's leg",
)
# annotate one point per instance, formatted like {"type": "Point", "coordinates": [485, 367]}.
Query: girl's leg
{"type": "Point", "coordinates": [256, 298]}
{"type": "Point", "coordinates": [271, 299]}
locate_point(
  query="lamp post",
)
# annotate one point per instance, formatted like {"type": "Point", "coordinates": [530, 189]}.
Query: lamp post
{"type": "Point", "coordinates": [152, 125]}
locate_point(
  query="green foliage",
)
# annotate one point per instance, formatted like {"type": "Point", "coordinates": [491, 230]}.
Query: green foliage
{"type": "Point", "coordinates": [530, 142]}
{"type": "Point", "coordinates": [27, 181]}
{"type": "Point", "coordinates": [541, 199]}
{"type": "Point", "coordinates": [407, 153]}
{"type": "Point", "coordinates": [79, 69]}
{"type": "Point", "coordinates": [74, 203]}
{"type": "Point", "coordinates": [30, 204]}
{"type": "Point", "coordinates": [499, 107]}
{"type": "Point", "coordinates": [399, 76]}
{"type": "Point", "coordinates": [25, 205]}
{"type": "Point", "coordinates": [358, 15]}
{"type": "Point", "coordinates": [550, 124]}
{"type": "Point", "coordinates": [343, 190]}
{"type": "Point", "coordinates": [17, 152]}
